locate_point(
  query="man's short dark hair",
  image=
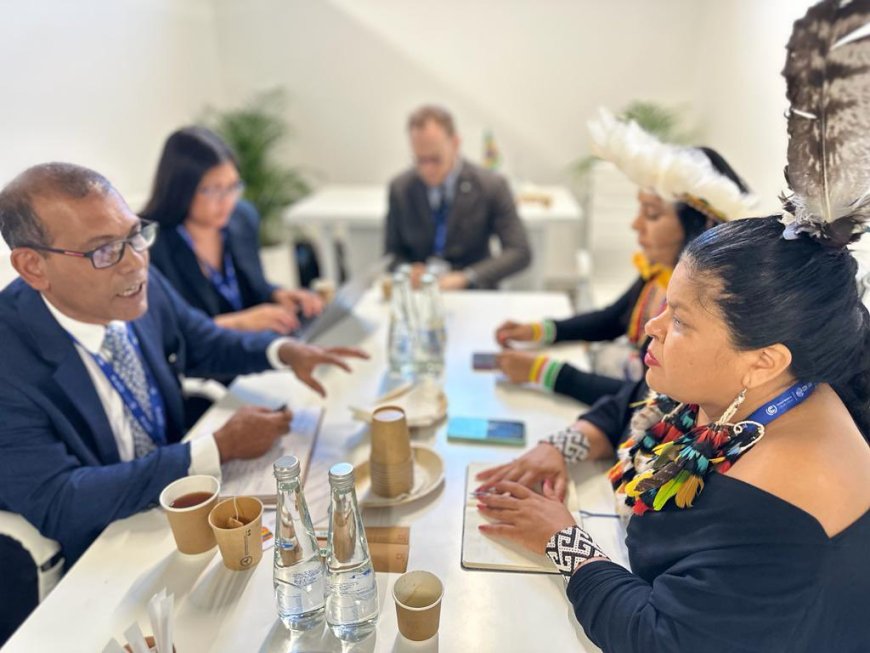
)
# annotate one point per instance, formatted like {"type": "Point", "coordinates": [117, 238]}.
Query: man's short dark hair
{"type": "Point", "coordinates": [19, 223]}
{"type": "Point", "coordinates": [434, 113]}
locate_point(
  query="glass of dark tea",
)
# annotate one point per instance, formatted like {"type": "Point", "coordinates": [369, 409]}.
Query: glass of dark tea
{"type": "Point", "coordinates": [187, 503]}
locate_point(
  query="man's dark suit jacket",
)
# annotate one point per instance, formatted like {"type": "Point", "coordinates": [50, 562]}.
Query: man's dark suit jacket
{"type": "Point", "coordinates": [59, 464]}
{"type": "Point", "coordinates": [174, 258]}
{"type": "Point", "coordinates": [482, 207]}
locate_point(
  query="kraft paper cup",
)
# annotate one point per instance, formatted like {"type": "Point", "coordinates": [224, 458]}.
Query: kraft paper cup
{"type": "Point", "coordinates": [325, 288]}
{"type": "Point", "coordinates": [418, 604]}
{"type": "Point", "coordinates": [391, 439]}
{"type": "Point", "coordinates": [190, 526]}
{"type": "Point", "coordinates": [392, 480]}
{"type": "Point", "coordinates": [387, 286]}
{"type": "Point", "coordinates": [241, 547]}
{"type": "Point", "coordinates": [149, 640]}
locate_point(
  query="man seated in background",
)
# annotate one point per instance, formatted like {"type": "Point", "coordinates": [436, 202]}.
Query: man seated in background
{"type": "Point", "coordinates": [447, 209]}
{"type": "Point", "coordinates": [92, 344]}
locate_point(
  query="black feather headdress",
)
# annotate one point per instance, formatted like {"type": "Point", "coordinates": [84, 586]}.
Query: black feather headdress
{"type": "Point", "coordinates": [827, 74]}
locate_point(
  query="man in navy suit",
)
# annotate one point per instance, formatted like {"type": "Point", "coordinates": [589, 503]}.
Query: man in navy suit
{"type": "Point", "coordinates": [92, 344]}
{"type": "Point", "coordinates": [447, 209]}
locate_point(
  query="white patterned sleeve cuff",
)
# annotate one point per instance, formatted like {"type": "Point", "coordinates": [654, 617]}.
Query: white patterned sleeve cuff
{"type": "Point", "coordinates": [572, 442]}
{"type": "Point", "coordinates": [571, 547]}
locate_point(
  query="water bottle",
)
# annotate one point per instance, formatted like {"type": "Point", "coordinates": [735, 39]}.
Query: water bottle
{"type": "Point", "coordinates": [297, 575]}
{"type": "Point", "coordinates": [431, 332]}
{"type": "Point", "coordinates": [351, 591]}
{"type": "Point", "coordinates": [400, 341]}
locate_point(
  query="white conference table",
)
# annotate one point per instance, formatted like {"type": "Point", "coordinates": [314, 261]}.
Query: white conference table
{"type": "Point", "coordinates": [225, 611]}
{"type": "Point", "coordinates": [355, 214]}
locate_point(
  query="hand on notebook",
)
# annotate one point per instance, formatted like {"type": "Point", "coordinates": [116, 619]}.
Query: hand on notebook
{"type": "Point", "coordinates": [542, 463]}
{"type": "Point", "coordinates": [303, 359]}
{"type": "Point", "coordinates": [250, 432]}
{"type": "Point", "coordinates": [523, 516]}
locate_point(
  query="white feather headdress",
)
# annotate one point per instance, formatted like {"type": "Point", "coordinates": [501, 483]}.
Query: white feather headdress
{"type": "Point", "coordinates": [674, 173]}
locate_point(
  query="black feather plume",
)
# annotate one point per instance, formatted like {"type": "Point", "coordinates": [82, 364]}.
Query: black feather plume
{"type": "Point", "coordinates": [827, 74]}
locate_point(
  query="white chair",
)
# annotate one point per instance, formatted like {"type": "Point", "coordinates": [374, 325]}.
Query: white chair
{"type": "Point", "coordinates": [45, 552]}
{"type": "Point", "coordinates": [604, 269]}
{"type": "Point", "coordinates": [205, 388]}
{"type": "Point", "coordinates": [604, 263]}
{"type": "Point", "coordinates": [30, 565]}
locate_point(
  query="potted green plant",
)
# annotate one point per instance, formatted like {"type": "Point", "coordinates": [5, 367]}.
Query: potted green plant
{"type": "Point", "coordinates": [255, 131]}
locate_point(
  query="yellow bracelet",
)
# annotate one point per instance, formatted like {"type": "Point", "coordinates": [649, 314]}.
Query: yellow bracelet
{"type": "Point", "coordinates": [536, 368]}
{"type": "Point", "coordinates": [537, 332]}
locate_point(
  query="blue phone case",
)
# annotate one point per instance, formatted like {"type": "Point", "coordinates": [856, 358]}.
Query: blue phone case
{"type": "Point", "coordinates": [490, 431]}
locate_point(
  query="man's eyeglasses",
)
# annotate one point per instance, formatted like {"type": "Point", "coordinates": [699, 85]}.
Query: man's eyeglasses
{"type": "Point", "coordinates": [432, 160]}
{"type": "Point", "coordinates": [105, 256]}
{"type": "Point", "coordinates": [220, 192]}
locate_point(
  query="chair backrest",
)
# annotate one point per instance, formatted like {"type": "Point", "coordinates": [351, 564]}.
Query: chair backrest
{"type": "Point", "coordinates": [610, 239]}
{"type": "Point", "coordinates": [45, 552]}
{"type": "Point", "coordinates": [603, 265]}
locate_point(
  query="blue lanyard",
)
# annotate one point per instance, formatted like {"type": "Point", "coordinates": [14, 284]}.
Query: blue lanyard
{"type": "Point", "coordinates": [156, 427]}
{"type": "Point", "coordinates": [227, 284]}
{"type": "Point", "coordinates": [439, 214]}
{"type": "Point", "coordinates": [782, 404]}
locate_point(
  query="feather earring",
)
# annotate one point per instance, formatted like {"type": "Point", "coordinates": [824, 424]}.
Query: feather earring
{"type": "Point", "coordinates": [729, 412]}
{"type": "Point", "coordinates": [827, 75]}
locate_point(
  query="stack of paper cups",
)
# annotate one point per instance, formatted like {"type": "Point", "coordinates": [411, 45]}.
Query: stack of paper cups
{"type": "Point", "coordinates": [391, 460]}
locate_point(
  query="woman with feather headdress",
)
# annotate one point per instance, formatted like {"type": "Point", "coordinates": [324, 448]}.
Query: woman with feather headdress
{"type": "Point", "coordinates": [747, 476]}
{"type": "Point", "coordinates": [683, 192]}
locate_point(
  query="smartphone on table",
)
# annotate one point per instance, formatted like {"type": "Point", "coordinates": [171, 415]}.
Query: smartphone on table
{"type": "Point", "coordinates": [486, 431]}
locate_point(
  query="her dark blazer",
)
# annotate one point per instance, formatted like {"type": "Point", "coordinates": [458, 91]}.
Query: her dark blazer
{"type": "Point", "coordinates": [174, 258]}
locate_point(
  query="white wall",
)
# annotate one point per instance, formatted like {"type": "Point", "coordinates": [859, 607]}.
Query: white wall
{"type": "Point", "coordinates": [533, 71]}
{"type": "Point", "coordinates": [102, 82]}
{"type": "Point", "coordinates": [740, 93]}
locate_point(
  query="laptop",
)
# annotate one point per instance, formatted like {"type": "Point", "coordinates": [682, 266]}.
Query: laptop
{"type": "Point", "coordinates": [346, 298]}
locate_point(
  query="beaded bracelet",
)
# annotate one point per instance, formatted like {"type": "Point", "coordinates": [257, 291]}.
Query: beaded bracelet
{"type": "Point", "coordinates": [571, 442]}
{"type": "Point", "coordinates": [571, 547]}
{"type": "Point", "coordinates": [544, 332]}
{"type": "Point", "coordinates": [545, 371]}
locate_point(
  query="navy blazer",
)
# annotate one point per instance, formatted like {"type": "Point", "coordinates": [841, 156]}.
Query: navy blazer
{"type": "Point", "coordinates": [59, 463]}
{"type": "Point", "coordinates": [174, 258]}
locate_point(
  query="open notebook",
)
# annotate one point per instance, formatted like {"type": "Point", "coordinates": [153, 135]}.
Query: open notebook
{"type": "Point", "coordinates": [481, 551]}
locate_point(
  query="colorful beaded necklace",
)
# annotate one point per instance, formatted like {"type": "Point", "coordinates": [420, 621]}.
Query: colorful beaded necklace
{"type": "Point", "coordinates": [668, 457]}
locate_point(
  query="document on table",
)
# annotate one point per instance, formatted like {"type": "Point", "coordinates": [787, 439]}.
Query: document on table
{"type": "Point", "coordinates": [481, 551]}
{"type": "Point", "coordinates": [254, 476]}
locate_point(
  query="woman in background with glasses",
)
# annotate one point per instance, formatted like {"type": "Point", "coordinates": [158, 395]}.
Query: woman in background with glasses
{"type": "Point", "coordinates": [208, 246]}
